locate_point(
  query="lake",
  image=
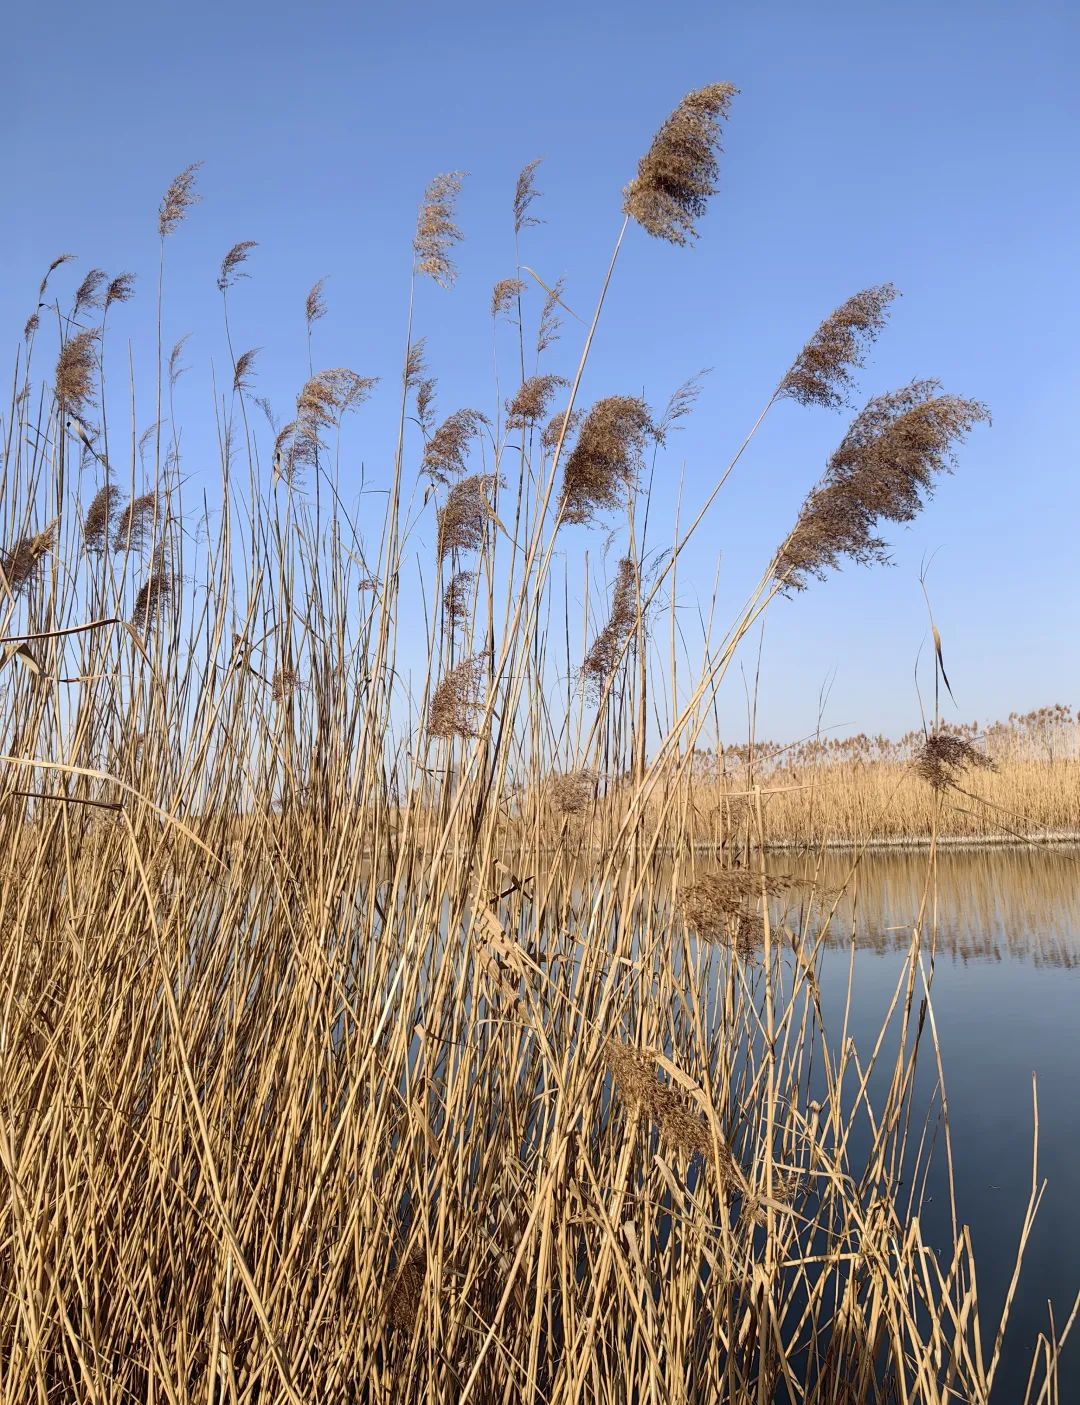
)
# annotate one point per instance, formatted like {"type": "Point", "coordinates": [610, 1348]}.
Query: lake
{"type": "Point", "coordinates": [1006, 999]}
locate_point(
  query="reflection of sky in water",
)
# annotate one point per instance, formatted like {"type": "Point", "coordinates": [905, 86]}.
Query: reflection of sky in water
{"type": "Point", "coordinates": [1006, 999]}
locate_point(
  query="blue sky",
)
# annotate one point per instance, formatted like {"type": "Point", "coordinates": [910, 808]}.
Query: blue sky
{"type": "Point", "coordinates": [931, 145]}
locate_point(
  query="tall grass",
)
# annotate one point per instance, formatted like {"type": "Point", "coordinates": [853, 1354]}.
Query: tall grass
{"type": "Point", "coordinates": [333, 1067]}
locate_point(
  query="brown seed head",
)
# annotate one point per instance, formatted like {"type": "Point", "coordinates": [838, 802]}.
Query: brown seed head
{"type": "Point", "coordinates": [607, 647]}
{"type": "Point", "coordinates": [315, 303]}
{"type": "Point", "coordinates": [532, 401]}
{"type": "Point", "coordinates": [572, 792]}
{"type": "Point", "coordinates": [634, 1073]}
{"type": "Point", "coordinates": [456, 598]}
{"type": "Point", "coordinates": [679, 172]}
{"type": "Point", "coordinates": [883, 471]}
{"type": "Point", "coordinates": [719, 907]}
{"type": "Point", "coordinates": [465, 515]}
{"type": "Point", "coordinates": [242, 371]}
{"type": "Point", "coordinates": [550, 321]}
{"type": "Point", "coordinates": [444, 453]}
{"type": "Point", "coordinates": [553, 430]}
{"type": "Point", "coordinates": [33, 322]}
{"type": "Point", "coordinates": [136, 523]}
{"type": "Point", "coordinates": [944, 757]}
{"type": "Point", "coordinates": [284, 683]}
{"type": "Point", "coordinates": [176, 368]}
{"type": "Point", "coordinates": [403, 1301]}
{"type": "Point", "coordinates": [89, 292]}
{"type": "Point", "coordinates": [154, 594]}
{"type": "Point", "coordinates": [436, 232]}
{"type": "Point", "coordinates": [75, 369]}
{"type": "Point", "coordinates": [178, 200]}
{"type": "Point", "coordinates": [233, 262]}
{"type": "Point", "coordinates": [606, 458]}
{"type": "Point", "coordinates": [821, 373]}
{"type": "Point", "coordinates": [121, 289]}
{"type": "Point", "coordinates": [20, 565]}
{"type": "Point", "coordinates": [56, 263]}
{"type": "Point", "coordinates": [505, 294]}
{"type": "Point", "coordinates": [458, 699]}
{"type": "Point", "coordinates": [525, 192]}
{"type": "Point", "coordinates": [99, 517]}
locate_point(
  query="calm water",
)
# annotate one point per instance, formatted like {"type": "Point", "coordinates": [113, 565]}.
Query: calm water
{"type": "Point", "coordinates": [1006, 996]}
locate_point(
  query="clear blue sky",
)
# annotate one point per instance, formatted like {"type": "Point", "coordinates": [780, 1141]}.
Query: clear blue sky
{"type": "Point", "coordinates": [934, 145]}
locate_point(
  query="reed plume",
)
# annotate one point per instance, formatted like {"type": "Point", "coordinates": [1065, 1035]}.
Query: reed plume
{"type": "Point", "coordinates": [436, 232]}
{"type": "Point", "coordinates": [232, 265]}
{"type": "Point", "coordinates": [33, 322]}
{"type": "Point", "coordinates": [553, 430]}
{"type": "Point", "coordinates": [608, 645]}
{"type": "Point", "coordinates": [75, 367]}
{"type": "Point", "coordinates": [97, 528]}
{"type": "Point", "coordinates": [679, 172]}
{"type": "Point", "coordinates": [944, 757]}
{"type": "Point", "coordinates": [323, 400]}
{"type": "Point", "coordinates": [242, 371]}
{"type": "Point", "coordinates": [533, 400]}
{"type": "Point", "coordinates": [606, 458]}
{"type": "Point", "coordinates": [464, 516]}
{"type": "Point", "coordinates": [58, 262]}
{"type": "Point", "coordinates": [572, 792]}
{"type": "Point", "coordinates": [456, 598]}
{"type": "Point", "coordinates": [20, 565]}
{"type": "Point", "coordinates": [178, 200]}
{"type": "Point", "coordinates": [504, 294]}
{"type": "Point", "coordinates": [152, 598]}
{"type": "Point", "coordinates": [315, 303]}
{"type": "Point", "coordinates": [458, 699]}
{"type": "Point", "coordinates": [883, 471]}
{"type": "Point", "coordinates": [88, 295]}
{"type": "Point", "coordinates": [121, 289]}
{"type": "Point", "coordinates": [525, 192]}
{"type": "Point", "coordinates": [550, 322]}
{"type": "Point", "coordinates": [403, 1301]}
{"type": "Point", "coordinates": [136, 523]}
{"type": "Point", "coordinates": [446, 449]}
{"type": "Point", "coordinates": [634, 1074]}
{"type": "Point", "coordinates": [821, 373]}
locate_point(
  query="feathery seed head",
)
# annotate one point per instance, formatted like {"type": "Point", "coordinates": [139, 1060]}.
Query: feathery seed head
{"type": "Point", "coordinates": [504, 295]}
{"type": "Point", "coordinates": [821, 373]}
{"type": "Point", "coordinates": [883, 470]}
{"type": "Point", "coordinates": [20, 565]}
{"type": "Point", "coordinates": [75, 369]}
{"type": "Point", "coordinates": [445, 451]}
{"type": "Point", "coordinates": [315, 303]}
{"type": "Point", "coordinates": [457, 701]}
{"type": "Point", "coordinates": [606, 458]}
{"type": "Point", "coordinates": [532, 401]}
{"type": "Point", "coordinates": [679, 172]}
{"type": "Point", "coordinates": [232, 263]}
{"type": "Point", "coordinates": [178, 200]}
{"type": "Point", "coordinates": [99, 517]}
{"type": "Point", "coordinates": [456, 597]}
{"type": "Point", "coordinates": [88, 294]}
{"type": "Point", "coordinates": [242, 371]}
{"type": "Point", "coordinates": [56, 263]}
{"type": "Point", "coordinates": [607, 647]}
{"type": "Point", "coordinates": [436, 232]}
{"type": "Point", "coordinates": [525, 192]}
{"type": "Point", "coordinates": [943, 757]}
{"type": "Point", "coordinates": [465, 515]}
{"type": "Point", "coordinates": [121, 289]}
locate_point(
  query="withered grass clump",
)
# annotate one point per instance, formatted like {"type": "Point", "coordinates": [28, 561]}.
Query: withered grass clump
{"type": "Point", "coordinates": [463, 518]}
{"type": "Point", "coordinates": [607, 647]}
{"type": "Point", "coordinates": [445, 453]}
{"type": "Point", "coordinates": [607, 457]}
{"type": "Point", "coordinates": [821, 373]}
{"type": "Point", "coordinates": [458, 699]}
{"type": "Point", "coordinates": [436, 232]}
{"type": "Point", "coordinates": [678, 173]}
{"type": "Point", "coordinates": [882, 471]}
{"type": "Point", "coordinates": [532, 401]}
{"type": "Point", "coordinates": [944, 757]}
{"type": "Point", "coordinates": [75, 368]}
